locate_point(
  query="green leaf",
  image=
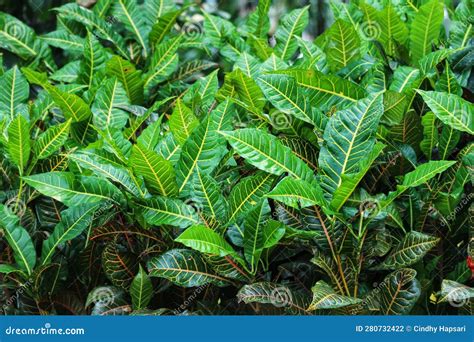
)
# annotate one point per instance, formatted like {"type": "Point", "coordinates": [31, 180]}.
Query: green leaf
{"type": "Point", "coordinates": [204, 148]}
{"type": "Point", "coordinates": [253, 238]}
{"type": "Point", "coordinates": [408, 132]}
{"type": "Point", "coordinates": [163, 63]}
{"type": "Point", "coordinates": [265, 152]}
{"type": "Point", "coordinates": [227, 268]}
{"type": "Point", "coordinates": [430, 134]}
{"type": "Point", "coordinates": [451, 109]}
{"type": "Point", "coordinates": [150, 136]}
{"type": "Point", "coordinates": [14, 92]}
{"type": "Point", "coordinates": [349, 135]}
{"type": "Point", "coordinates": [420, 175]}
{"type": "Point", "coordinates": [394, 105]}
{"type": "Point", "coordinates": [17, 37]}
{"type": "Point", "coordinates": [206, 192]}
{"type": "Point", "coordinates": [169, 148]}
{"type": "Point", "coordinates": [272, 233]}
{"type": "Point", "coordinates": [119, 265]}
{"type": "Point", "coordinates": [405, 79]}
{"type": "Point", "coordinates": [297, 193]}
{"type": "Point", "coordinates": [129, 76]}
{"type": "Point", "coordinates": [73, 222]}
{"type": "Point", "coordinates": [216, 28]}
{"type": "Point", "coordinates": [162, 26]}
{"type": "Point", "coordinates": [182, 122]}
{"type": "Point", "coordinates": [154, 9]}
{"type": "Point", "coordinates": [94, 60]}
{"type": "Point", "coordinates": [291, 25]}
{"type": "Point", "coordinates": [52, 140]}
{"type": "Point", "coordinates": [109, 99]}
{"type": "Point", "coordinates": [409, 251]}
{"type": "Point", "coordinates": [162, 210]}
{"type": "Point", "coordinates": [183, 267]}
{"type": "Point", "coordinates": [64, 39]}
{"type": "Point", "coordinates": [63, 187]}
{"type": "Point", "coordinates": [205, 240]}
{"type": "Point", "coordinates": [248, 91]}
{"type": "Point", "coordinates": [247, 193]}
{"type": "Point", "coordinates": [158, 172]}
{"type": "Point", "coordinates": [350, 181]}
{"type": "Point", "coordinates": [92, 21]}
{"type": "Point", "coordinates": [141, 290]}
{"type": "Point", "coordinates": [447, 141]}
{"type": "Point", "coordinates": [72, 106]}
{"type": "Point", "coordinates": [425, 29]}
{"type": "Point", "coordinates": [18, 239]}
{"type": "Point", "coordinates": [128, 13]}
{"type": "Point", "coordinates": [68, 73]}
{"type": "Point", "coordinates": [425, 172]}
{"type": "Point", "coordinates": [327, 91]}
{"type": "Point", "coordinates": [392, 29]}
{"type": "Point", "coordinates": [396, 295]}
{"type": "Point", "coordinates": [263, 23]}
{"type": "Point", "coordinates": [104, 165]}
{"type": "Point", "coordinates": [343, 45]}
{"type": "Point", "coordinates": [429, 62]}
{"type": "Point", "coordinates": [19, 142]}
{"type": "Point", "coordinates": [7, 269]}
{"type": "Point", "coordinates": [324, 297]}
{"type": "Point", "coordinates": [286, 96]}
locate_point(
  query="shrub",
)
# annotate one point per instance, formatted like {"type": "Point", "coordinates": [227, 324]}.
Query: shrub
{"type": "Point", "coordinates": [164, 159]}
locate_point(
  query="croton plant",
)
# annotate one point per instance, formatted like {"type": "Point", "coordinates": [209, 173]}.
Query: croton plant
{"type": "Point", "coordinates": [164, 158]}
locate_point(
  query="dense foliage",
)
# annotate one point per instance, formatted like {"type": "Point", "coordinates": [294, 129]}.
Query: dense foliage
{"type": "Point", "coordinates": [164, 158]}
